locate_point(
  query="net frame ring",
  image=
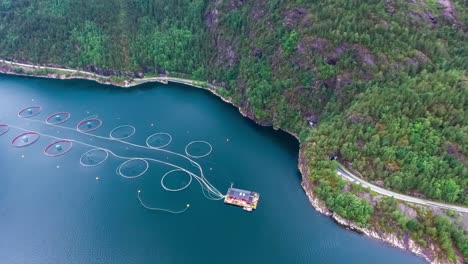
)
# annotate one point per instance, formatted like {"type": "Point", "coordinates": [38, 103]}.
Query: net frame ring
{"type": "Point", "coordinates": [56, 144]}
{"type": "Point", "coordinates": [119, 169]}
{"type": "Point", "coordinates": [29, 109]}
{"type": "Point", "coordinates": [159, 134]}
{"type": "Point", "coordinates": [86, 121]}
{"type": "Point", "coordinates": [163, 185]}
{"type": "Point", "coordinates": [4, 126]}
{"type": "Point", "coordinates": [90, 151]}
{"type": "Point", "coordinates": [119, 127]}
{"type": "Point", "coordinates": [26, 141]}
{"type": "Point", "coordinates": [52, 116]}
{"type": "Point", "coordinates": [198, 142]}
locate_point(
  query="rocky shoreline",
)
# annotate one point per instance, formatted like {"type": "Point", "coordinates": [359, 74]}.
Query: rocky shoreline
{"type": "Point", "coordinates": [319, 205]}
{"type": "Point", "coordinates": [405, 243]}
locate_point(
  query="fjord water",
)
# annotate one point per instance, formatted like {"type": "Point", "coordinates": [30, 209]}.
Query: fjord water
{"type": "Point", "coordinates": [53, 210]}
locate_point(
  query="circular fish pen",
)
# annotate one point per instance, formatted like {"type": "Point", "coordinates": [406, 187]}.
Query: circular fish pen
{"type": "Point", "coordinates": [94, 157]}
{"type": "Point", "coordinates": [58, 148]}
{"type": "Point", "coordinates": [159, 140]}
{"type": "Point", "coordinates": [4, 128]}
{"type": "Point", "coordinates": [198, 149]}
{"type": "Point", "coordinates": [133, 168]}
{"type": "Point", "coordinates": [58, 118]}
{"type": "Point", "coordinates": [176, 189]}
{"type": "Point", "coordinates": [30, 111]}
{"type": "Point", "coordinates": [122, 132]}
{"type": "Point", "coordinates": [89, 125]}
{"type": "Point", "coordinates": [25, 139]}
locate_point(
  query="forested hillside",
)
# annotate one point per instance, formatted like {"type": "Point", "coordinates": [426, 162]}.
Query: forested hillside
{"type": "Point", "coordinates": [380, 84]}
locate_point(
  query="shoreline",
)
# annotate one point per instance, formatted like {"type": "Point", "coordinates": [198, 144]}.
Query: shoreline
{"type": "Point", "coordinates": [319, 205]}
{"type": "Point", "coordinates": [389, 238]}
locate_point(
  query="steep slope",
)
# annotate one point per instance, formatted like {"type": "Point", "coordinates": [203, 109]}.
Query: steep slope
{"type": "Point", "coordinates": [381, 85]}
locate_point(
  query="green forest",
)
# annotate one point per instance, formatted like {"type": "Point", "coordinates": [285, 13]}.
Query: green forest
{"type": "Point", "coordinates": [382, 85]}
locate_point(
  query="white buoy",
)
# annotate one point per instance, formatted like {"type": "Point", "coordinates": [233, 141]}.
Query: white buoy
{"type": "Point", "coordinates": [227, 139]}
{"type": "Point", "coordinates": [97, 178]}
{"type": "Point", "coordinates": [152, 124]}
{"type": "Point", "coordinates": [58, 166]}
{"type": "Point", "coordinates": [139, 191]}
{"type": "Point", "coordinates": [188, 205]}
{"type": "Point", "coordinates": [22, 156]}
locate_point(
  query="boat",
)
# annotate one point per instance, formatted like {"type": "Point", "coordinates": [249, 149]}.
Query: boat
{"type": "Point", "coordinates": [248, 209]}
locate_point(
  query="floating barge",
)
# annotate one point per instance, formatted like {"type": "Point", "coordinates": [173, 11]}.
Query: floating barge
{"type": "Point", "coordinates": [246, 199]}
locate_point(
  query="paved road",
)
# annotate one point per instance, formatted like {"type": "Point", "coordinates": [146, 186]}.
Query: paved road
{"type": "Point", "coordinates": [135, 81]}
{"type": "Point", "coordinates": [44, 67]}
{"type": "Point", "coordinates": [353, 178]}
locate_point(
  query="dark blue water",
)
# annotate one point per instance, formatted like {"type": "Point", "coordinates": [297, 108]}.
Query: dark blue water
{"type": "Point", "coordinates": [53, 210]}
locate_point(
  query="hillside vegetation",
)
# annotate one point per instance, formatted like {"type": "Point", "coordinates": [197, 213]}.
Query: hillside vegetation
{"type": "Point", "coordinates": [382, 85]}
